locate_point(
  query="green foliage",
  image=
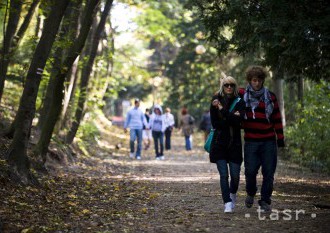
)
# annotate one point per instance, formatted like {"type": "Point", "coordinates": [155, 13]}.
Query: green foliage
{"type": "Point", "coordinates": [293, 35]}
{"type": "Point", "coordinates": [308, 139]}
{"type": "Point", "coordinates": [88, 132]}
{"type": "Point", "coordinates": [154, 24]}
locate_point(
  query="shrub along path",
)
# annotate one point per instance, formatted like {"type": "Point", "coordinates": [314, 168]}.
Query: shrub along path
{"type": "Point", "coordinates": [108, 192]}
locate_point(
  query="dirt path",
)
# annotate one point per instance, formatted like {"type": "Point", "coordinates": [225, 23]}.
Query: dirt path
{"type": "Point", "coordinates": [188, 198]}
{"type": "Point", "coordinates": [181, 194]}
{"type": "Point", "coordinates": [112, 193]}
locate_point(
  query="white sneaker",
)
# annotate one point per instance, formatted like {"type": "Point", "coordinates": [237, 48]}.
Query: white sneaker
{"type": "Point", "coordinates": [138, 157]}
{"type": "Point", "coordinates": [233, 199]}
{"type": "Point", "coordinates": [157, 158]}
{"type": "Point", "coordinates": [162, 157]}
{"type": "Point", "coordinates": [131, 155]}
{"type": "Point", "coordinates": [228, 207]}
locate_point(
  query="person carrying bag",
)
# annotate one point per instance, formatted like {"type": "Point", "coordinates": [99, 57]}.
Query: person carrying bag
{"type": "Point", "coordinates": [227, 112]}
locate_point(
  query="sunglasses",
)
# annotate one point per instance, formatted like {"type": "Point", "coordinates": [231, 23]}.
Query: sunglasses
{"type": "Point", "coordinates": [229, 85]}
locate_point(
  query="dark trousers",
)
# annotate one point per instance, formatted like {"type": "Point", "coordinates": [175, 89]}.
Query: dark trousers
{"type": "Point", "coordinates": [262, 154]}
{"type": "Point", "coordinates": [168, 133]}
{"type": "Point", "coordinates": [158, 137]}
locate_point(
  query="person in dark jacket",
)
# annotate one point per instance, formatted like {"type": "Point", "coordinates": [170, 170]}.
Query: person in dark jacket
{"type": "Point", "coordinates": [263, 134]}
{"type": "Point", "coordinates": [227, 111]}
{"type": "Point", "coordinates": [205, 124]}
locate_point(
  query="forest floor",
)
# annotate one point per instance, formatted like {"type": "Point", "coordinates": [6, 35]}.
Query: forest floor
{"type": "Point", "coordinates": [109, 192]}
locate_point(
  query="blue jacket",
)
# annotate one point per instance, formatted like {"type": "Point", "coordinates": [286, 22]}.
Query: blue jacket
{"type": "Point", "coordinates": [135, 119]}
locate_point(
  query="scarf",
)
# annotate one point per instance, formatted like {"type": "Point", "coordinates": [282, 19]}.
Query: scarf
{"type": "Point", "coordinates": [252, 99]}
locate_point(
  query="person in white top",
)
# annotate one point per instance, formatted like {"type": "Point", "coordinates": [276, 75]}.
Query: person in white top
{"type": "Point", "coordinates": [157, 125]}
{"type": "Point", "coordinates": [146, 133]}
{"type": "Point", "coordinates": [169, 124]}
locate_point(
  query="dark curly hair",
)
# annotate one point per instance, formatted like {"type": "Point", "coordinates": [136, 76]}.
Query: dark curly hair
{"type": "Point", "coordinates": [255, 72]}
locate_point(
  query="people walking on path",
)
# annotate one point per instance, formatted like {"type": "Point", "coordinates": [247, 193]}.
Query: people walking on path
{"type": "Point", "coordinates": [263, 134]}
{"type": "Point", "coordinates": [227, 111]}
{"type": "Point", "coordinates": [205, 124]}
{"type": "Point", "coordinates": [146, 133]}
{"type": "Point", "coordinates": [187, 127]}
{"type": "Point", "coordinates": [157, 125]}
{"type": "Point", "coordinates": [169, 123]}
{"type": "Point", "coordinates": [135, 120]}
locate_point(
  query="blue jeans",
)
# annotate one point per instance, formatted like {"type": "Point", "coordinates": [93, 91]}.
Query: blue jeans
{"type": "Point", "coordinates": [262, 154]}
{"type": "Point", "coordinates": [188, 143]}
{"type": "Point", "coordinates": [234, 171]}
{"type": "Point", "coordinates": [158, 137]}
{"type": "Point", "coordinates": [136, 134]}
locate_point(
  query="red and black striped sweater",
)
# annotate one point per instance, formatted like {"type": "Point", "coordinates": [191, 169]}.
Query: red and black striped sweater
{"type": "Point", "coordinates": [260, 129]}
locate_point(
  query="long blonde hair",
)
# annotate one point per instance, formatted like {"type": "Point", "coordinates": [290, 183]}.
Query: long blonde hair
{"type": "Point", "coordinates": [228, 79]}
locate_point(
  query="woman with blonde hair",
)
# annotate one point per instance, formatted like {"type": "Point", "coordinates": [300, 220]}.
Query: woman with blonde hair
{"type": "Point", "coordinates": [227, 111]}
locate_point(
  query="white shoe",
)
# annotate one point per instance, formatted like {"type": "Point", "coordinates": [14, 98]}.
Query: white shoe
{"type": "Point", "coordinates": [132, 155]}
{"type": "Point", "coordinates": [233, 199]}
{"type": "Point", "coordinates": [228, 207]}
{"type": "Point", "coordinates": [138, 157]}
{"type": "Point", "coordinates": [157, 158]}
{"type": "Point", "coordinates": [162, 157]}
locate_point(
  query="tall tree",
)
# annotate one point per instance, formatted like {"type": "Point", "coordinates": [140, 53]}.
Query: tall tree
{"type": "Point", "coordinates": [86, 72]}
{"type": "Point", "coordinates": [67, 34]}
{"type": "Point", "coordinates": [14, 15]}
{"type": "Point", "coordinates": [58, 93]}
{"type": "Point", "coordinates": [24, 26]}
{"type": "Point", "coordinates": [17, 153]}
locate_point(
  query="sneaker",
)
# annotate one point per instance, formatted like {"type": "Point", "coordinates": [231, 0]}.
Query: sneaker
{"type": "Point", "coordinates": [228, 207]}
{"type": "Point", "coordinates": [162, 157]}
{"type": "Point", "coordinates": [132, 155]}
{"type": "Point", "coordinates": [138, 157]}
{"type": "Point", "coordinates": [233, 199]}
{"type": "Point", "coordinates": [157, 158]}
{"type": "Point", "coordinates": [249, 201]}
{"type": "Point", "coordinates": [264, 206]}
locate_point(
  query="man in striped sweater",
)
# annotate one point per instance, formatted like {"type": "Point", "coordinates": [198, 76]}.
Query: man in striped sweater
{"type": "Point", "coordinates": [263, 134]}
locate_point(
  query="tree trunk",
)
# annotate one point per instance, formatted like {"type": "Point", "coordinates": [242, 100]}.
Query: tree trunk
{"type": "Point", "coordinates": [301, 91]}
{"type": "Point", "coordinates": [71, 76]}
{"type": "Point", "coordinates": [292, 100]}
{"type": "Point", "coordinates": [14, 15]}
{"type": "Point", "coordinates": [69, 91]}
{"type": "Point", "coordinates": [67, 112]}
{"type": "Point", "coordinates": [278, 89]}
{"type": "Point", "coordinates": [58, 94]}
{"type": "Point", "coordinates": [27, 19]}
{"type": "Point", "coordinates": [86, 74]}
{"type": "Point", "coordinates": [46, 102]}
{"type": "Point", "coordinates": [38, 27]}
{"type": "Point", "coordinates": [109, 50]}
{"type": "Point", "coordinates": [17, 154]}
{"type": "Point", "coordinates": [68, 17]}
{"type": "Point", "coordinates": [69, 99]}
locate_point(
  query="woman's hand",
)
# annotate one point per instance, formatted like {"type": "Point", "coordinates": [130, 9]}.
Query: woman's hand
{"type": "Point", "coordinates": [216, 103]}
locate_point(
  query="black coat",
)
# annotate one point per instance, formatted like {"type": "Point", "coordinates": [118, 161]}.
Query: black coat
{"type": "Point", "coordinates": [227, 143]}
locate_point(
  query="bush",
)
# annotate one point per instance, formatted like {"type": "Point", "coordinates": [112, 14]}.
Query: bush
{"type": "Point", "coordinates": [88, 131]}
{"type": "Point", "coordinates": [308, 139]}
